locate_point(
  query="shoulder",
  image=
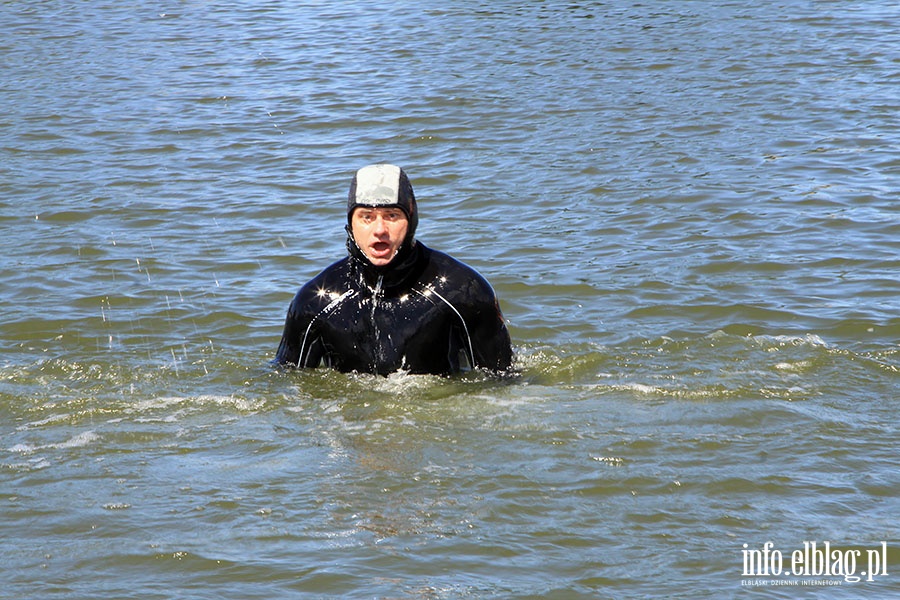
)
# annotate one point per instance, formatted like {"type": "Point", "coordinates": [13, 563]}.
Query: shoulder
{"type": "Point", "coordinates": [442, 260]}
{"type": "Point", "coordinates": [460, 275]}
{"type": "Point", "coordinates": [333, 277]}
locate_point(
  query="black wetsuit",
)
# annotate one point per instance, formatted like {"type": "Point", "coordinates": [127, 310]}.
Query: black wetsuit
{"type": "Point", "coordinates": [425, 312]}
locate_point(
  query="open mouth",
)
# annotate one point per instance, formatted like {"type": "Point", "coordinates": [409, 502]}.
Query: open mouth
{"type": "Point", "coordinates": [380, 248]}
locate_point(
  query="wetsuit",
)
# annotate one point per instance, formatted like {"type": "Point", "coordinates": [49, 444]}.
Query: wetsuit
{"type": "Point", "coordinates": [425, 312]}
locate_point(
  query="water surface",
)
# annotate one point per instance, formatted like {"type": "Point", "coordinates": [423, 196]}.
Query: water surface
{"type": "Point", "coordinates": [687, 209]}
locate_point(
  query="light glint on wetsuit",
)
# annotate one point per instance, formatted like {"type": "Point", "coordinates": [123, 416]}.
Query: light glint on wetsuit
{"type": "Point", "coordinates": [424, 312]}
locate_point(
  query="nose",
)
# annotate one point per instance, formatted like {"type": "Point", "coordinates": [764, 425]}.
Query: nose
{"type": "Point", "coordinates": [380, 226]}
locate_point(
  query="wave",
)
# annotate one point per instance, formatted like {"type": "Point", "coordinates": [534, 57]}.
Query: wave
{"type": "Point", "coordinates": [57, 394]}
{"type": "Point", "coordinates": [716, 366]}
{"type": "Point", "coordinates": [79, 440]}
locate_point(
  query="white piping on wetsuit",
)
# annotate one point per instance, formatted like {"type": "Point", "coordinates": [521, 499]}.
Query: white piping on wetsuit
{"type": "Point", "coordinates": [331, 306]}
{"type": "Point", "coordinates": [430, 290]}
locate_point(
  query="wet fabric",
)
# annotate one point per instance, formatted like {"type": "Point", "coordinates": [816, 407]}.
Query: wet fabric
{"type": "Point", "coordinates": [424, 313]}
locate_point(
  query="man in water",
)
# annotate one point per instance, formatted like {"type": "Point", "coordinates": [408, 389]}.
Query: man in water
{"type": "Point", "coordinates": [393, 304]}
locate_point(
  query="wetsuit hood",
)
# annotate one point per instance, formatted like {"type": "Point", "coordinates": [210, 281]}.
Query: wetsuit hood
{"type": "Point", "coordinates": [384, 186]}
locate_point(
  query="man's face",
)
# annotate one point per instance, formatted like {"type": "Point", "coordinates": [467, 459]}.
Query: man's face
{"type": "Point", "coordinates": [379, 232]}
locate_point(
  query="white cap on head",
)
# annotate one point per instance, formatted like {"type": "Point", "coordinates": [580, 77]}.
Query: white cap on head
{"type": "Point", "coordinates": [378, 185]}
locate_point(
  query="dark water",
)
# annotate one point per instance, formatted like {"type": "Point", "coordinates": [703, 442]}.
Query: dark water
{"type": "Point", "coordinates": [688, 209]}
